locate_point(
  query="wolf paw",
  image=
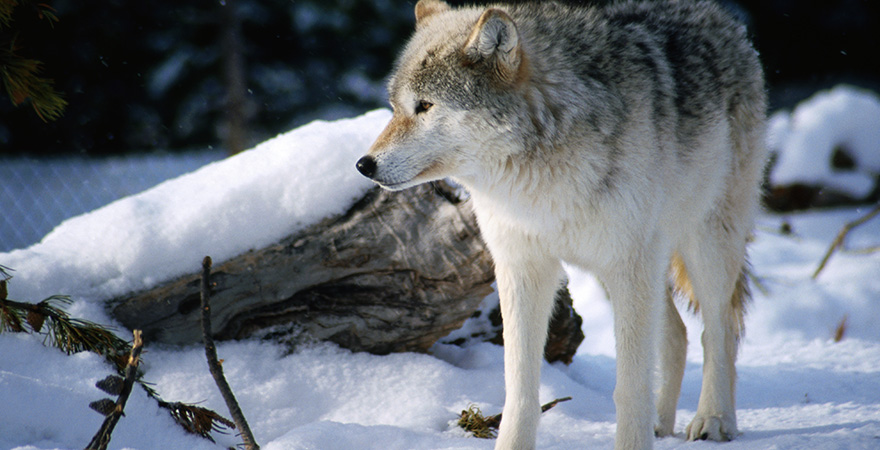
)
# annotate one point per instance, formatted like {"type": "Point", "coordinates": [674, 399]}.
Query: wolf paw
{"type": "Point", "coordinates": [664, 429]}
{"type": "Point", "coordinates": [713, 428]}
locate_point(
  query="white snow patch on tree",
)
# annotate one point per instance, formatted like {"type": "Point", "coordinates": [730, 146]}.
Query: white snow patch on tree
{"type": "Point", "coordinates": [843, 119]}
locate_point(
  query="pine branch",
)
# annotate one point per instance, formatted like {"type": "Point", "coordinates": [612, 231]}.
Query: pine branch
{"type": "Point", "coordinates": [214, 364]}
{"type": "Point", "coordinates": [21, 76]}
{"type": "Point", "coordinates": [6, 8]}
{"type": "Point", "coordinates": [22, 81]}
{"type": "Point", "coordinates": [43, 11]}
{"type": "Point", "coordinates": [197, 420]}
{"type": "Point", "coordinates": [75, 335]}
{"type": "Point", "coordinates": [67, 334]}
{"type": "Point", "coordinates": [10, 316]}
{"type": "Point", "coordinates": [102, 437]}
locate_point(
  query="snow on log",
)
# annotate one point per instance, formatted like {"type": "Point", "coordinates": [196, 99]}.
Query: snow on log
{"type": "Point", "coordinates": [394, 273]}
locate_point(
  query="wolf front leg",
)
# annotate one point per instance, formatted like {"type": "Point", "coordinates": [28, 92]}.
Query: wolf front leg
{"type": "Point", "coordinates": [526, 285]}
{"type": "Point", "coordinates": [636, 291]}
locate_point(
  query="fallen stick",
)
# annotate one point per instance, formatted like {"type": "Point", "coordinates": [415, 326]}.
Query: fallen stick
{"type": "Point", "coordinates": [214, 364]}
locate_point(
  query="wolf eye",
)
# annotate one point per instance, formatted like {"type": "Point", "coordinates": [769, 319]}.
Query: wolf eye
{"type": "Point", "coordinates": [423, 106]}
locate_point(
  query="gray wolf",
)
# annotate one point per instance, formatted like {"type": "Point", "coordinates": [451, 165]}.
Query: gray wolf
{"type": "Point", "coordinates": [626, 140]}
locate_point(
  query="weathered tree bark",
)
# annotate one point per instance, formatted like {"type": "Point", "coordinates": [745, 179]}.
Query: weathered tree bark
{"type": "Point", "coordinates": [397, 272]}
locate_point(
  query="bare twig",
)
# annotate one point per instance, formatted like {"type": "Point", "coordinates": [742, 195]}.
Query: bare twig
{"type": "Point", "coordinates": [547, 406]}
{"type": "Point", "coordinates": [102, 437]}
{"type": "Point", "coordinates": [214, 364]}
{"type": "Point", "coordinates": [838, 241]}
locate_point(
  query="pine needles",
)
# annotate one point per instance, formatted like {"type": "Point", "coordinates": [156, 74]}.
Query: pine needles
{"type": "Point", "coordinates": [63, 332]}
{"type": "Point", "coordinates": [21, 76]}
{"type": "Point", "coordinates": [72, 335]}
{"type": "Point", "coordinates": [197, 420]}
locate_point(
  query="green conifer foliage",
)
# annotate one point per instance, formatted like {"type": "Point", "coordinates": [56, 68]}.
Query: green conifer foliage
{"type": "Point", "coordinates": [21, 76]}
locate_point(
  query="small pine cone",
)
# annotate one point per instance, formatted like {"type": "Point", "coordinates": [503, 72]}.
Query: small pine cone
{"type": "Point", "coordinates": [112, 384]}
{"type": "Point", "coordinates": [105, 406]}
{"type": "Point", "coordinates": [35, 320]}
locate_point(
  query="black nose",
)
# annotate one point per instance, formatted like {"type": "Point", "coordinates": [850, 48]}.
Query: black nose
{"type": "Point", "coordinates": [367, 166]}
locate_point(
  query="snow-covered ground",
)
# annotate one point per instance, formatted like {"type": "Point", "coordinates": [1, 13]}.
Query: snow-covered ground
{"type": "Point", "coordinates": [797, 387]}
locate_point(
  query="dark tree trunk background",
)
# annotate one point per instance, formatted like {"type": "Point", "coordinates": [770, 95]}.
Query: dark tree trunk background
{"type": "Point", "coordinates": [233, 69]}
{"type": "Point", "coordinates": [397, 272]}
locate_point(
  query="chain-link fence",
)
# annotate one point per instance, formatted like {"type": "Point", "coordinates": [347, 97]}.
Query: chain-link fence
{"type": "Point", "coordinates": [38, 194]}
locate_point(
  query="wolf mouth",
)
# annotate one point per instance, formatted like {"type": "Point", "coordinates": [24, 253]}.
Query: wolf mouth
{"type": "Point", "coordinates": [396, 186]}
{"type": "Point", "coordinates": [393, 186]}
{"type": "Point", "coordinates": [428, 173]}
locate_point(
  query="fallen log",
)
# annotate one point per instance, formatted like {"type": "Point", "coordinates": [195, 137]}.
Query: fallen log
{"type": "Point", "coordinates": [396, 272]}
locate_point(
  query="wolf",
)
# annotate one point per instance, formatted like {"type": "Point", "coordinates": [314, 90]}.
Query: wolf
{"type": "Point", "coordinates": [626, 140]}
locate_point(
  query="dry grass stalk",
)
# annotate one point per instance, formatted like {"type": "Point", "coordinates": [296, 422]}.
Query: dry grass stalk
{"type": "Point", "coordinates": [473, 421]}
{"type": "Point", "coordinates": [838, 241]}
{"type": "Point", "coordinates": [840, 330]}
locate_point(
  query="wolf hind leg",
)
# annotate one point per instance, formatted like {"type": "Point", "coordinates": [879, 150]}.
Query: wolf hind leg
{"type": "Point", "coordinates": [673, 355]}
{"type": "Point", "coordinates": [715, 263]}
{"type": "Point", "coordinates": [527, 287]}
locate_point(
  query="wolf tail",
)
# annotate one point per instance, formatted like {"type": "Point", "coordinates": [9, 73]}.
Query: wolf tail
{"type": "Point", "coordinates": [739, 298]}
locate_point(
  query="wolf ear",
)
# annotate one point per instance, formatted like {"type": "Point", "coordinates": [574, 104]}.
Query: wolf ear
{"type": "Point", "coordinates": [495, 39]}
{"type": "Point", "coordinates": [426, 8]}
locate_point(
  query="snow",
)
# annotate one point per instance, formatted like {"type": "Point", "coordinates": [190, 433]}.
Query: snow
{"type": "Point", "coordinates": [805, 140]}
{"type": "Point", "coordinates": [222, 209]}
{"type": "Point", "coordinates": [38, 194]}
{"type": "Point", "coordinates": [797, 387]}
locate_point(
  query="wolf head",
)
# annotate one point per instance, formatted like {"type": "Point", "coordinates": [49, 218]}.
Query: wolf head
{"type": "Point", "coordinates": [454, 92]}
